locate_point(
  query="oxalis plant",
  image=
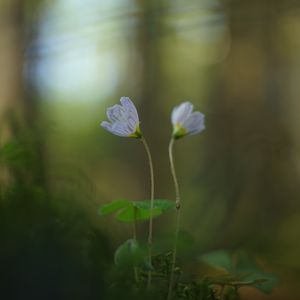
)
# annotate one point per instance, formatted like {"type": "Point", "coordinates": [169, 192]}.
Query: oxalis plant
{"type": "Point", "coordinates": [158, 274]}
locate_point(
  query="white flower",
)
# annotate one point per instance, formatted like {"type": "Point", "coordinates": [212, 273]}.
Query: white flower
{"type": "Point", "coordinates": [124, 119]}
{"type": "Point", "coordinates": [185, 121]}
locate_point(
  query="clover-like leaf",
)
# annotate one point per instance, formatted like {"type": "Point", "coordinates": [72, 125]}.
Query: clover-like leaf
{"type": "Point", "coordinates": [131, 214]}
{"type": "Point", "coordinates": [113, 207]}
{"type": "Point", "coordinates": [131, 211]}
{"type": "Point", "coordinates": [161, 204]}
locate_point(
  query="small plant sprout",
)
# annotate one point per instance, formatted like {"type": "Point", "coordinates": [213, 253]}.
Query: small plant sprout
{"type": "Point", "coordinates": [185, 122]}
{"type": "Point", "coordinates": [124, 122]}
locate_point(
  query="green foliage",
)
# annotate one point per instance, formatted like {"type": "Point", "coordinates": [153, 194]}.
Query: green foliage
{"type": "Point", "coordinates": [219, 259]}
{"type": "Point", "coordinates": [240, 270]}
{"type": "Point", "coordinates": [113, 207]}
{"type": "Point", "coordinates": [131, 211]}
{"type": "Point", "coordinates": [14, 154]}
{"type": "Point", "coordinates": [38, 239]}
{"type": "Point", "coordinates": [195, 291]}
{"type": "Point", "coordinates": [160, 204]}
{"type": "Point", "coordinates": [185, 288]}
{"type": "Point", "coordinates": [129, 254]}
{"type": "Point", "coordinates": [186, 245]}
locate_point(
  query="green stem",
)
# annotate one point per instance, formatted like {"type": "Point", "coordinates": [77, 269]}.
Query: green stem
{"type": "Point", "coordinates": [135, 224]}
{"type": "Point", "coordinates": [135, 271]}
{"type": "Point", "coordinates": [178, 203]}
{"type": "Point", "coordinates": [222, 292]}
{"type": "Point", "coordinates": [177, 193]}
{"type": "Point", "coordinates": [151, 209]}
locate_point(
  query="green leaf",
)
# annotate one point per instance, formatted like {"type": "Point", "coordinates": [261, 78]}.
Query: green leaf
{"type": "Point", "coordinates": [218, 259]}
{"type": "Point", "coordinates": [243, 262]}
{"type": "Point", "coordinates": [129, 254]}
{"type": "Point", "coordinates": [131, 213]}
{"type": "Point", "coordinates": [270, 281]}
{"type": "Point", "coordinates": [161, 204]}
{"type": "Point", "coordinates": [263, 281]}
{"type": "Point", "coordinates": [128, 211]}
{"type": "Point", "coordinates": [242, 271]}
{"type": "Point", "coordinates": [113, 207]}
{"type": "Point", "coordinates": [146, 266]}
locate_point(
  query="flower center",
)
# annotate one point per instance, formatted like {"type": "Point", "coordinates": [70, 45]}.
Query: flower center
{"type": "Point", "coordinates": [179, 131]}
{"type": "Point", "coordinates": [138, 133]}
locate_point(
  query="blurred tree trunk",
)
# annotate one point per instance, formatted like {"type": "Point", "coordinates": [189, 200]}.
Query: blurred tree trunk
{"type": "Point", "coordinates": [248, 162]}
{"type": "Point", "coordinates": [149, 35]}
{"type": "Point", "coordinates": [11, 59]}
{"type": "Point", "coordinates": [18, 112]}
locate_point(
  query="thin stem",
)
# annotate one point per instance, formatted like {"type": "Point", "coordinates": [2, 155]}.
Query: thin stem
{"type": "Point", "coordinates": [177, 199]}
{"type": "Point", "coordinates": [135, 271]}
{"type": "Point", "coordinates": [177, 193]}
{"type": "Point", "coordinates": [135, 224]}
{"type": "Point", "coordinates": [151, 209]}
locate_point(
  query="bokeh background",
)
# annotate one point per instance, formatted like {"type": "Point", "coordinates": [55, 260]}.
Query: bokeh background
{"type": "Point", "coordinates": [63, 62]}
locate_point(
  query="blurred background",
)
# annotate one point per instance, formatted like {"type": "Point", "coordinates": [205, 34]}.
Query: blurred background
{"type": "Point", "coordinates": [63, 62]}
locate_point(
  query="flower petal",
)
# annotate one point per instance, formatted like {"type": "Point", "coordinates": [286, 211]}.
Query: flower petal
{"type": "Point", "coordinates": [117, 128]}
{"type": "Point", "coordinates": [106, 125]}
{"type": "Point", "coordinates": [130, 108]}
{"type": "Point", "coordinates": [195, 123]}
{"type": "Point", "coordinates": [124, 120]}
{"type": "Point", "coordinates": [131, 123]}
{"type": "Point", "coordinates": [121, 129]}
{"type": "Point", "coordinates": [181, 113]}
{"type": "Point", "coordinates": [116, 113]}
